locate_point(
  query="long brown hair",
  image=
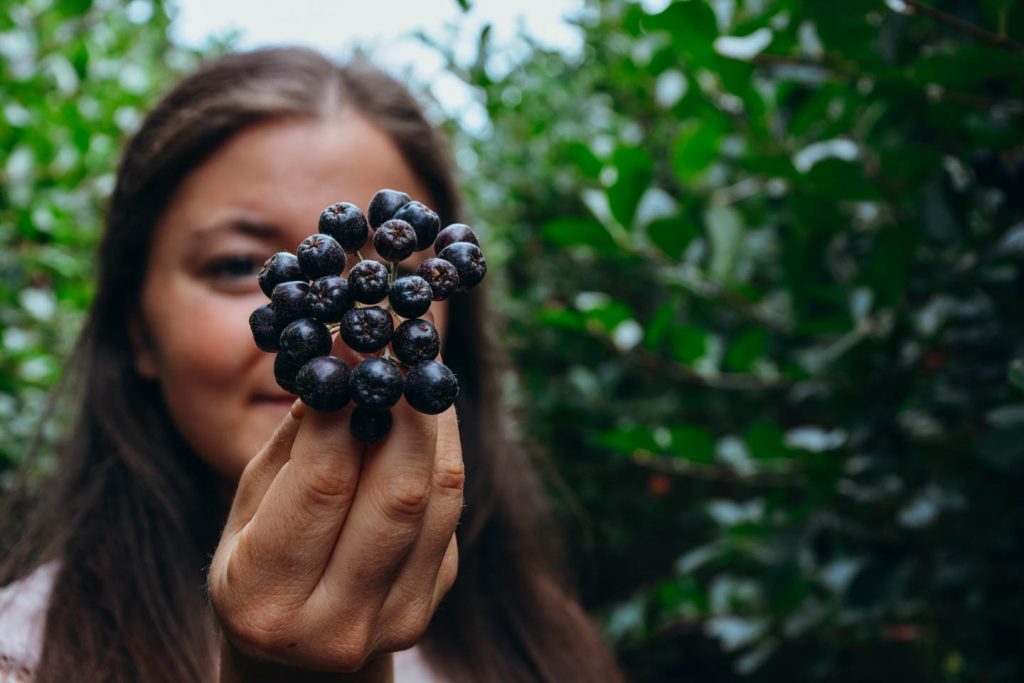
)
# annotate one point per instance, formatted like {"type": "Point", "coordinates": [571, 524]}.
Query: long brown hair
{"type": "Point", "coordinates": [133, 515]}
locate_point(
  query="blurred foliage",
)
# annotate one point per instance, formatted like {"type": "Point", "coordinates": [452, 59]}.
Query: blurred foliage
{"type": "Point", "coordinates": [763, 260]}
{"type": "Point", "coordinates": [77, 76]}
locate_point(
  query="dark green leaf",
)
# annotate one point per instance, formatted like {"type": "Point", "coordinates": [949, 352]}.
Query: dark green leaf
{"type": "Point", "coordinates": [634, 170]}
{"type": "Point", "coordinates": [577, 232]}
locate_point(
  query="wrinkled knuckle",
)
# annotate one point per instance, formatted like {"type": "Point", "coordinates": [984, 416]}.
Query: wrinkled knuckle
{"type": "Point", "coordinates": [262, 630]}
{"type": "Point", "coordinates": [330, 489]}
{"type": "Point", "coordinates": [450, 475]}
{"type": "Point", "coordinates": [409, 631]}
{"type": "Point", "coordinates": [351, 649]}
{"type": "Point", "coordinates": [405, 496]}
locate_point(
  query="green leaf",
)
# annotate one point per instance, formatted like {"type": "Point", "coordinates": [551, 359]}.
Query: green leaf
{"type": "Point", "coordinates": [634, 171]}
{"type": "Point", "coordinates": [579, 232]}
{"type": "Point", "coordinates": [689, 343]}
{"type": "Point", "coordinates": [748, 347]}
{"type": "Point", "coordinates": [697, 146]}
{"type": "Point", "coordinates": [463, 5]}
{"type": "Point", "coordinates": [766, 441]}
{"type": "Point", "coordinates": [629, 440]}
{"type": "Point", "coordinates": [672, 235]}
{"type": "Point", "coordinates": [693, 443]}
{"type": "Point", "coordinates": [841, 180]}
{"type": "Point", "coordinates": [724, 227]}
{"type": "Point", "coordinates": [610, 315]}
{"type": "Point", "coordinates": [1017, 373]}
{"type": "Point", "coordinates": [659, 324]}
{"type": "Point", "coordinates": [692, 25]}
{"type": "Point", "coordinates": [563, 318]}
{"type": "Point", "coordinates": [584, 159]}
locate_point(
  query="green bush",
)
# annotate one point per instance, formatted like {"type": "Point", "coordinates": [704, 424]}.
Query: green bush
{"type": "Point", "coordinates": [77, 76]}
{"type": "Point", "coordinates": [763, 262]}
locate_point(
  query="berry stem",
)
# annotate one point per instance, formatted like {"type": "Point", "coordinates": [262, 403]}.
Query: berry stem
{"type": "Point", "coordinates": [358, 255]}
{"type": "Point", "coordinates": [394, 271]}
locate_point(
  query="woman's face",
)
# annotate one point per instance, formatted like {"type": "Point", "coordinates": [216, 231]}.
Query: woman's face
{"type": "Point", "coordinates": [261, 193]}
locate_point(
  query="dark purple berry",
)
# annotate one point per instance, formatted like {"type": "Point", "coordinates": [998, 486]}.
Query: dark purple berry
{"type": "Point", "coordinates": [468, 260]}
{"type": "Point", "coordinates": [264, 332]}
{"type": "Point", "coordinates": [410, 296]}
{"type": "Point", "coordinates": [320, 255]}
{"type": "Point", "coordinates": [423, 220]}
{"type": "Point", "coordinates": [345, 223]}
{"type": "Point", "coordinates": [285, 372]}
{"type": "Point", "coordinates": [304, 339]}
{"type": "Point", "coordinates": [384, 205]}
{"type": "Point", "coordinates": [430, 387]}
{"type": "Point", "coordinates": [416, 340]}
{"type": "Point", "coordinates": [369, 425]}
{"type": "Point", "coordinates": [289, 302]}
{"type": "Point", "coordinates": [394, 240]}
{"type": "Point", "coordinates": [368, 281]}
{"type": "Point", "coordinates": [367, 329]}
{"type": "Point", "coordinates": [328, 299]}
{"type": "Point", "coordinates": [456, 232]}
{"type": "Point", "coordinates": [281, 267]}
{"type": "Point", "coordinates": [323, 383]}
{"type": "Point", "coordinates": [442, 277]}
{"type": "Point", "coordinates": [376, 383]}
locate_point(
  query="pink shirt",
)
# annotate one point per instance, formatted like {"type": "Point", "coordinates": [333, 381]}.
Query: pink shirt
{"type": "Point", "coordinates": [23, 611]}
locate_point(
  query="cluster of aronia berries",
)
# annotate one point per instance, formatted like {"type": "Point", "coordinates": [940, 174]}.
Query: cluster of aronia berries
{"type": "Point", "coordinates": [310, 301]}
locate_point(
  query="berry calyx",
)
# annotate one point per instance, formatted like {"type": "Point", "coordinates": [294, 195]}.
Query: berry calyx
{"type": "Point", "coordinates": [328, 299]}
{"type": "Point", "coordinates": [430, 387]}
{"type": "Point", "coordinates": [369, 425]}
{"type": "Point", "coordinates": [442, 277]}
{"type": "Point", "coordinates": [410, 296]}
{"type": "Point", "coordinates": [281, 267]}
{"type": "Point", "coordinates": [384, 205]}
{"type": "Point", "coordinates": [456, 232]}
{"type": "Point", "coordinates": [468, 260]}
{"type": "Point", "coordinates": [416, 340]}
{"type": "Point", "coordinates": [347, 224]}
{"type": "Point", "coordinates": [367, 329]}
{"type": "Point", "coordinates": [289, 302]}
{"type": "Point", "coordinates": [368, 281]}
{"type": "Point", "coordinates": [320, 255]}
{"type": "Point", "coordinates": [304, 339]}
{"type": "Point", "coordinates": [394, 240]}
{"type": "Point", "coordinates": [423, 220]}
{"type": "Point", "coordinates": [322, 383]}
{"type": "Point", "coordinates": [376, 383]}
{"type": "Point", "coordinates": [264, 332]}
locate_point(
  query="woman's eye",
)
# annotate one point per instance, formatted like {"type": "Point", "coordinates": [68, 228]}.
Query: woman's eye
{"type": "Point", "coordinates": [233, 267]}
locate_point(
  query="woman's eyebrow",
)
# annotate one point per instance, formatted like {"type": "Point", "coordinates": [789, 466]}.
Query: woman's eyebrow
{"type": "Point", "coordinates": [241, 224]}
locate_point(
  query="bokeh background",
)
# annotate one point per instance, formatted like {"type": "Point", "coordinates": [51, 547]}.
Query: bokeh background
{"type": "Point", "coordinates": [760, 265]}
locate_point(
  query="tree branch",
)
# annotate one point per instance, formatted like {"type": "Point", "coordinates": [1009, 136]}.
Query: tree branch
{"type": "Point", "coordinates": [953, 21]}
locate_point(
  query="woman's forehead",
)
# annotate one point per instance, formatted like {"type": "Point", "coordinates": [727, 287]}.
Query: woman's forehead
{"type": "Point", "coordinates": [284, 173]}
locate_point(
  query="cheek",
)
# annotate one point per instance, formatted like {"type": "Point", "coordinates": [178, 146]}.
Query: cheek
{"type": "Point", "coordinates": [202, 339]}
{"type": "Point", "coordinates": [213, 343]}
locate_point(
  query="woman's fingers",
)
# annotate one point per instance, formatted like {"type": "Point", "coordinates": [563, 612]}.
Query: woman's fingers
{"type": "Point", "coordinates": [387, 515]}
{"type": "Point", "coordinates": [415, 584]}
{"type": "Point", "coordinates": [261, 470]}
{"type": "Point", "coordinates": [292, 534]}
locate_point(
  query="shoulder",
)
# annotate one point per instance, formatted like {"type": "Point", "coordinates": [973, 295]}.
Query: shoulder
{"type": "Point", "coordinates": [410, 666]}
{"type": "Point", "coordinates": [22, 619]}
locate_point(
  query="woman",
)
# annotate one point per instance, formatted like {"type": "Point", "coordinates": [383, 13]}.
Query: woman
{"type": "Point", "coordinates": [315, 554]}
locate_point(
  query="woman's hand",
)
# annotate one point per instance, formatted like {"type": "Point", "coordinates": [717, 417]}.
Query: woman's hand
{"type": "Point", "coordinates": [336, 552]}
